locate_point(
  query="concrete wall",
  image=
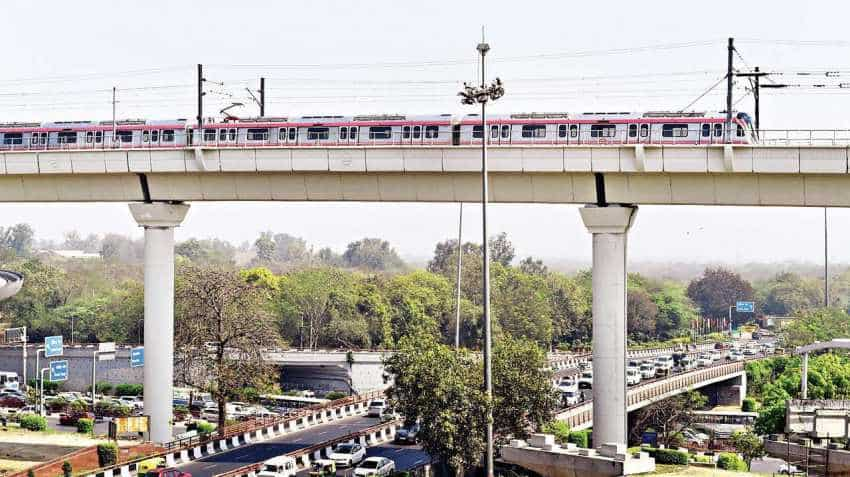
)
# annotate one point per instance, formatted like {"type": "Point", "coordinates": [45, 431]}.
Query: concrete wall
{"type": "Point", "coordinates": [543, 456]}
{"type": "Point", "coordinates": [79, 360]}
{"type": "Point", "coordinates": [838, 460]}
{"type": "Point", "coordinates": [818, 417]}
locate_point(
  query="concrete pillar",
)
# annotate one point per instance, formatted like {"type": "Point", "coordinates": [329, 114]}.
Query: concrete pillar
{"type": "Point", "coordinates": [804, 379]}
{"type": "Point", "coordinates": [609, 226]}
{"type": "Point", "coordinates": [159, 220]}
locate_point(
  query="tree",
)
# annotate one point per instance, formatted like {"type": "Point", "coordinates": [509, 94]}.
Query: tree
{"type": "Point", "coordinates": [817, 325]}
{"type": "Point", "coordinates": [419, 301]}
{"type": "Point", "coordinates": [641, 312]}
{"type": "Point", "coordinates": [265, 247]}
{"type": "Point", "coordinates": [788, 294]}
{"type": "Point", "coordinates": [771, 420]}
{"type": "Point", "coordinates": [18, 238]}
{"type": "Point", "coordinates": [372, 254]}
{"type": "Point", "coordinates": [718, 289]}
{"type": "Point", "coordinates": [209, 251]}
{"type": "Point", "coordinates": [290, 249]}
{"type": "Point", "coordinates": [669, 417]}
{"type": "Point", "coordinates": [501, 249]}
{"type": "Point", "coordinates": [571, 306]}
{"type": "Point", "coordinates": [748, 445]}
{"type": "Point", "coordinates": [533, 267]}
{"type": "Point", "coordinates": [521, 307]}
{"type": "Point", "coordinates": [221, 327]}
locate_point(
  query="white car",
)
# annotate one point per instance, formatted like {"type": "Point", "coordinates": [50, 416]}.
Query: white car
{"type": "Point", "coordinates": [568, 383]}
{"type": "Point", "coordinates": [632, 376]}
{"type": "Point", "coordinates": [586, 380]}
{"type": "Point", "coordinates": [280, 466]}
{"type": "Point", "coordinates": [570, 398]}
{"type": "Point", "coordinates": [715, 355]}
{"type": "Point", "coordinates": [348, 454]}
{"type": "Point", "coordinates": [704, 360]}
{"type": "Point", "coordinates": [663, 365]}
{"type": "Point", "coordinates": [736, 356]}
{"type": "Point", "coordinates": [133, 402]}
{"type": "Point", "coordinates": [378, 466]}
{"type": "Point", "coordinates": [687, 363]}
{"type": "Point", "coordinates": [647, 371]}
{"type": "Point", "coordinates": [750, 352]}
{"type": "Point", "coordinates": [376, 407]}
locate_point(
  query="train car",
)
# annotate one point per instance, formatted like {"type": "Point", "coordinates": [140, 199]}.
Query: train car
{"type": "Point", "coordinates": [130, 133]}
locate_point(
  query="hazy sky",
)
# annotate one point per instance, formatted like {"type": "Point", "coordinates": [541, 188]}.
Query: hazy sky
{"type": "Point", "coordinates": [62, 59]}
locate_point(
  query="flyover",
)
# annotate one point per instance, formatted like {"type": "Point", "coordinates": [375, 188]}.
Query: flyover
{"type": "Point", "coordinates": [842, 343]}
{"type": "Point", "coordinates": [10, 284]}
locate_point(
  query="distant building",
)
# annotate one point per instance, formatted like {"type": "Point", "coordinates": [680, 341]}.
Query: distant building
{"type": "Point", "coordinates": [777, 322]}
{"type": "Point", "coordinates": [75, 254]}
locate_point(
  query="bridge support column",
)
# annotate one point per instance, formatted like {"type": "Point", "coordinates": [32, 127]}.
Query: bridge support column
{"type": "Point", "coordinates": [804, 378]}
{"type": "Point", "coordinates": [159, 220]}
{"type": "Point", "coordinates": [609, 226]}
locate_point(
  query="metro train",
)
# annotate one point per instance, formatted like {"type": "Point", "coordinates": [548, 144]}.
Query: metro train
{"type": "Point", "coordinates": [384, 129]}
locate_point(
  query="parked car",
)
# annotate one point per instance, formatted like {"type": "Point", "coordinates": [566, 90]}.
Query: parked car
{"type": "Point", "coordinates": [280, 466]}
{"type": "Point", "coordinates": [632, 376]}
{"type": "Point", "coordinates": [167, 472]}
{"type": "Point", "coordinates": [586, 380]}
{"type": "Point", "coordinates": [377, 466]}
{"type": "Point", "coordinates": [647, 370]}
{"type": "Point", "coordinates": [71, 418]}
{"type": "Point", "coordinates": [692, 437]}
{"type": "Point", "coordinates": [409, 433]}
{"type": "Point", "coordinates": [570, 398]}
{"type": "Point", "coordinates": [133, 402]}
{"type": "Point", "coordinates": [376, 407]}
{"type": "Point", "coordinates": [348, 454]}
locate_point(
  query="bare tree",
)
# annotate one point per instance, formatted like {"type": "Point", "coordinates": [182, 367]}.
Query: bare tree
{"type": "Point", "coordinates": [222, 327]}
{"type": "Point", "coordinates": [668, 417]}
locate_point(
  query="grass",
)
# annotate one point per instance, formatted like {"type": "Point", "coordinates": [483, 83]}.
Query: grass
{"type": "Point", "coordinates": [685, 471]}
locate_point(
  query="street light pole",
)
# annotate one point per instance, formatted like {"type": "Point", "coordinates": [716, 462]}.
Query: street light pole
{"type": "Point", "coordinates": [459, 271]}
{"type": "Point", "coordinates": [825, 260]}
{"type": "Point", "coordinates": [471, 95]}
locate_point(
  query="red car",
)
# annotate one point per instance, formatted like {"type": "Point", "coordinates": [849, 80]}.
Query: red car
{"type": "Point", "coordinates": [72, 418]}
{"type": "Point", "coordinates": [167, 472]}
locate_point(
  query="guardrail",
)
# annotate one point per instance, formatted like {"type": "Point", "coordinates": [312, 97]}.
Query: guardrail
{"type": "Point", "coordinates": [367, 437]}
{"type": "Point", "coordinates": [564, 361]}
{"type": "Point", "coordinates": [187, 449]}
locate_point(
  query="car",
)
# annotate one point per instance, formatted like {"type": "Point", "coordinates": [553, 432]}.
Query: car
{"type": "Point", "coordinates": [167, 472]}
{"type": "Point", "coordinates": [388, 414]}
{"type": "Point", "coordinates": [71, 418]}
{"type": "Point", "coordinates": [377, 466]}
{"type": "Point", "coordinates": [30, 408]}
{"type": "Point", "coordinates": [133, 402]}
{"type": "Point", "coordinates": [280, 466]}
{"type": "Point", "coordinates": [567, 382]}
{"type": "Point", "coordinates": [633, 363]}
{"type": "Point", "coordinates": [748, 351]}
{"type": "Point", "coordinates": [687, 363]}
{"type": "Point", "coordinates": [376, 407]}
{"type": "Point", "coordinates": [715, 355]}
{"type": "Point", "coordinates": [788, 469]}
{"type": "Point", "coordinates": [570, 398]}
{"type": "Point", "coordinates": [736, 355]}
{"type": "Point", "coordinates": [632, 376]}
{"type": "Point", "coordinates": [692, 437]}
{"type": "Point", "coordinates": [210, 413]}
{"type": "Point", "coordinates": [409, 433]}
{"type": "Point", "coordinates": [704, 360]}
{"type": "Point", "coordinates": [663, 365]}
{"type": "Point", "coordinates": [12, 401]}
{"type": "Point", "coordinates": [348, 454]}
{"type": "Point", "coordinates": [647, 371]}
{"type": "Point", "coordinates": [586, 380]}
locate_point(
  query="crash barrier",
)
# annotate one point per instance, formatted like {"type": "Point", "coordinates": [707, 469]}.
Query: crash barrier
{"type": "Point", "coordinates": [192, 448]}
{"type": "Point", "coordinates": [367, 437]}
{"type": "Point", "coordinates": [581, 415]}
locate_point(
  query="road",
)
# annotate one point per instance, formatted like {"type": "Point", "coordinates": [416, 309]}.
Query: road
{"type": "Point", "coordinates": [261, 451]}
{"type": "Point", "coordinates": [406, 457]}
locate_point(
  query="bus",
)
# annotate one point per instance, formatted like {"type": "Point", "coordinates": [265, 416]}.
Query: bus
{"type": "Point", "coordinates": [9, 380]}
{"type": "Point", "coordinates": [283, 404]}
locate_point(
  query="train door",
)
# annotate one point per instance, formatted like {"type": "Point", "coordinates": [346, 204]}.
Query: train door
{"type": "Point", "coordinates": [455, 134]}
{"type": "Point", "coordinates": [505, 134]}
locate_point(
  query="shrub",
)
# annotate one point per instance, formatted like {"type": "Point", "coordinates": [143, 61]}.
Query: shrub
{"type": "Point", "coordinates": [129, 390]}
{"type": "Point", "coordinates": [85, 425]}
{"type": "Point", "coordinates": [33, 422]}
{"type": "Point", "coordinates": [669, 456]}
{"type": "Point", "coordinates": [730, 461]}
{"type": "Point", "coordinates": [180, 412]}
{"type": "Point", "coordinates": [749, 405]}
{"type": "Point", "coordinates": [204, 427]}
{"type": "Point", "coordinates": [111, 409]}
{"type": "Point", "coordinates": [559, 429]}
{"type": "Point", "coordinates": [334, 395]}
{"type": "Point", "coordinates": [66, 469]}
{"type": "Point", "coordinates": [107, 454]}
{"type": "Point", "coordinates": [580, 439]}
{"type": "Point", "coordinates": [103, 388]}
{"type": "Point", "coordinates": [58, 404]}
{"type": "Point", "coordinates": [79, 406]}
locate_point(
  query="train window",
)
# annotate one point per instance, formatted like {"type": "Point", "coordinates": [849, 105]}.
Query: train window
{"type": "Point", "coordinates": [494, 131]}
{"type": "Point", "coordinates": [222, 134]}
{"type": "Point", "coordinates": [352, 133]}
{"type": "Point", "coordinates": [260, 134]}
{"type": "Point", "coordinates": [644, 130]}
{"type": "Point", "coordinates": [380, 132]}
{"type": "Point", "coordinates": [562, 130]}
{"type": "Point", "coordinates": [506, 131]}
{"type": "Point", "coordinates": [127, 136]}
{"type": "Point", "coordinates": [98, 137]}
{"type": "Point", "coordinates": [281, 134]}
{"type": "Point", "coordinates": [432, 132]}
{"type": "Point", "coordinates": [343, 133]}
{"type": "Point", "coordinates": [534, 130]}
{"type": "Point", "coordinates": [33, 139]}
{"type": "Point", "coordinates": [146, 136]}
{"type": "Point", "coordinates": [67, 137]}
{"type": "Point", "coordinates": [573, 130]}
{"type": "Point", "coordinates": [739, 131]}
{"type": "Point", "coordinates": [293, 132]}
{"type": "Point", "coordinates": [718, 130]}
{"type": "Point", "coordinates": [476, 132]}
{"type": "Point", "coordinates": [167, 135]}
{"type": "Point", "coordinates": [231, 134]}
{"type": "Point", "coordinates": [632, 130]}
{"type": "Point", "coordinates": [209, 134]}
{"type": "Point", "coordinates": [603, 130]}
{"type": "Point", "coordinates": [674, 130]}
{"type": "Point", "coordinates": [10, 139]}
{"type": "Point", "coordinates": [417, 132]}
{"type": "Point", "coordinates": [89, 137]}
{"type": "Point", "coordinates": [318, 134]}
{"type": "Point", "coordinates": [155, 136]}
{"type": "Point", "coordinates": [405, 132]}
{"type": "Point", "coordinates": [706, 130]}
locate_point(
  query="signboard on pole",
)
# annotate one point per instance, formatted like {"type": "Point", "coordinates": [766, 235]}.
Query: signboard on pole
{"type": "Point", "coordinates": [137, 357]}
{"type": "Point", "coordinates": [16, 335]}
{"type": "Point", "coordinates": [59, 370]}
{"type": "Point", "coordinates": [106, 351]}
{"type": "Point", "coordinates": [52, 346]}
{"type": "Point", "coordinates": [745, 307]}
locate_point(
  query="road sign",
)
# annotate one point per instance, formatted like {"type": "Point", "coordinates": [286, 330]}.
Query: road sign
{"type": "Point", "coordinates": [59, 370]}
{"type": "Point", "coordinates": [108, 347]}
{"type": "Point", "coordinates": [52, 346]}
{"type": "Point", "coordinates": [137, 357]}
{"type": "Point", "coordinates": [745, 307]}
{"type": "Point", "coordinates": [16, 335]}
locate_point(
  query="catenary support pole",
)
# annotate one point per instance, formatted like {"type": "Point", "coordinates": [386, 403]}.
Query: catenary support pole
{"type": "Point", "coordinates": [200, 97]}
{"type": "Point", "coordinates": [609, 226]}
{"type": "Point", "coordinates": [459, 273]}
{"type": "Point", "coordinates": [159, 220]}
{"type": "Point", "coordinates": [825, 258]}
{"type": "Point", "coordinates": [756, 86]}
{"type": "Point", "coordinates": [730, 50]}
{"type": "Point", "coordinates": [262, 97]}
{"type": "Point", "coordinates": [804, 378]}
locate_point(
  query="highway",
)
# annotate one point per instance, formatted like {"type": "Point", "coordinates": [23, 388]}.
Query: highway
{"type": "Point", "coordinates": [406, 457]}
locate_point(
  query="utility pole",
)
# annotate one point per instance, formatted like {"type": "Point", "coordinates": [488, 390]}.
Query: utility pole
{"type": "Point", "coordinates": [825, 260]}
{"type": "Point", "coordinates": [200, 96]}
{"type": "Point", "coordinates": [457, 278]}
{"type": "Point", "coordinates": [730, 50]}
{"type": "Point", "coordinates": [756, 97]}
{"type": "Point", "coordinates": [262, 97]}
{"type": "Point", "coordinates": [114, 138]}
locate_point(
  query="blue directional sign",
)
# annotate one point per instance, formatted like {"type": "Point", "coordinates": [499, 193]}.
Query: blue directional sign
{"type": "Point", "coordinates": [745, 307]}
{"type": "Point", "coordinates": [52, 346]}
{"type": "Point", "coordinates": [59, 370]}
{"type": "Point", "coordinates": [137, 357]}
